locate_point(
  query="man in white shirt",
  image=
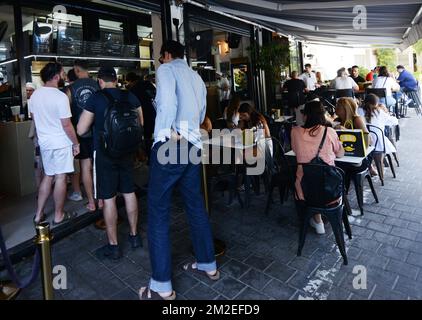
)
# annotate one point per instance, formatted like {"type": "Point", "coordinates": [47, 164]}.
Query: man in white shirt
{"type": "Point", "coordinates": [343, 81]}
{"type": "Point", "coordinates": [57, 139]}
{"type": "Point", "coordinates": [309, 78]}
{"type": "Point", "coordinates": [223, 90]}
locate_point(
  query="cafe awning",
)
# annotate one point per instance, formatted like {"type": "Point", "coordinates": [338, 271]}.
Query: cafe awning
{"type": "Point", "coordinates": [386, 23]}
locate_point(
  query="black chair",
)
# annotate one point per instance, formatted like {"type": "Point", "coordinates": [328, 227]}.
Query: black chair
{"type": "Point", "coordinates": [345, 93]}
{"type": "Point", "coordinates": [416, 101]}
{"type": "Point", "coordinates": [378, 156]}
{"type": "Point", "coordinates": [358, 180]}
{"type": "Point", "coordinates": [392, 133]}
{"type": "Point", "coordinates": [379, 92]}
{"type": "Point", "coordinates": [336, 215]}
{"type": "Point", "coordinates": [278, 174]}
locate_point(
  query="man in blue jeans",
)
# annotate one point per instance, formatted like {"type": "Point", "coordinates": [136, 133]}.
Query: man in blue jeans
{"type": "Point", "coordinates": [180, 105]}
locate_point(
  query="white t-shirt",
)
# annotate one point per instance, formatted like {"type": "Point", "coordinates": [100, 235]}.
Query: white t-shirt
{"type": "Point", "coordinates": [309, 79]}
{"type": "Point", "coordinates": [386, 82]}
{"type": "Point", "coordinates": [224, 83]}
{"type": "Point", "coordinates": [381, 119]}
{"type": "Point", "coordinates": [342, 83]}
{"type": "Point", "coordinates": [49, 105]}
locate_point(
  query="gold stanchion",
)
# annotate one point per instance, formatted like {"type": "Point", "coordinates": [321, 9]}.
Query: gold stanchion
{"type": "Point", "coordinates": [8, 290]}
{"type": "Point", "coordinates": [43, 241]}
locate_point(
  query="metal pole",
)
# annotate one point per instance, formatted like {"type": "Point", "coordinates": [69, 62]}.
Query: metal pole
{"type": "Point", "coordinates": [205, 186]}
{"type": "Point", "coordinates": [43, 241]}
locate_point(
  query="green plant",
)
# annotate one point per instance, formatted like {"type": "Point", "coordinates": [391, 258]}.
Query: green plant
{"type": "Point", "coordinates": [386, 57]}
{"type": "Point", "coordinates": [418, 47]}
{"type": "Point", "coordinates": [363, 72]}
{"type": "Point", "coordinates": [272, 58]}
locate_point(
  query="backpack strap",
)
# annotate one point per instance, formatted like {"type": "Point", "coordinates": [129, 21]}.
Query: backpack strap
{"type": "Point", "coordinates": [322, 141]}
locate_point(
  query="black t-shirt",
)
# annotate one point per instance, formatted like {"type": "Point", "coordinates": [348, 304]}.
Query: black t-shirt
{"type": "Point", "coordinates": [145, 92]}
{"type": "Point", "coordinates": [81, 90]}
{"type": "Point", "coordinates": [295, 89]}
{"type": "Point", "coordinates": [358, 79]}
{"type": "Point", "coordinates": [98, 103]}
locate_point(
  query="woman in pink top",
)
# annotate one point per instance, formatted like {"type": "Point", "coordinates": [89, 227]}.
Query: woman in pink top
{"type": "Point", "coordinates": [305, 143]}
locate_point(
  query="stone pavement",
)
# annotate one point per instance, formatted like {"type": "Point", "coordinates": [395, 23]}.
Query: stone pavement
{"type": "Point", "coordinates": [261, 261]}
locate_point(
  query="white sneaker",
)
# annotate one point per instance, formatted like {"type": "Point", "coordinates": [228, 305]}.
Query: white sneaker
{"type": "Point", "coordinates": [75, 196]}
{"type": "Point", "coordinates": [319, 227]}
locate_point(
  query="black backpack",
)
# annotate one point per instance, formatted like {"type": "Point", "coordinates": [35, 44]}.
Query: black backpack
{"type": "Point", "coordinates": [123, 133]}
{"type": "Point", "coordinates": [321, 183]}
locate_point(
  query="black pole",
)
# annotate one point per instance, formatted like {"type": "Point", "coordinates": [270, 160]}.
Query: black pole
{"type": "Point", "coordinates": [20, 54]}
{"type": "Point", "coordinates": [166, 20]}
{"type": "Point", "coordinates": [186, 29]}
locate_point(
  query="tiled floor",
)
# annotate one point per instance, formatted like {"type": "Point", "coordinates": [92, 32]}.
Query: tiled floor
{"type": "Point", "coordinates": [261, 261]}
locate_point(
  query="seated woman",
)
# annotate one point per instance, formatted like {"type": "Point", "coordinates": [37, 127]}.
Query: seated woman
{"type": "Point", "coordinates": [305, 142]}
{"type": "Point", "coordinates": [346, 110]}
{"type": "Point", "coordinates": [231, 112]}
{"type": "Point", "coordinates": [377, 115]}
{"type": "Point", "coordinates": [250, 118]}
{"type": "Point", "coordinates": [389, 83]}
{"type": "Point", "coordinates": [343, 81]}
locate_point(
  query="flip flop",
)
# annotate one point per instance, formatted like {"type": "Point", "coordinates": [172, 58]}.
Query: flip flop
{"type": "Point", "coordinates": [145, 293]}
{"type": "Point", "coordinates": [189, 267]}
{"type": "Point", "coordinates": [67, 216]}
{"type": "Point", "coordinates": [42, 219]}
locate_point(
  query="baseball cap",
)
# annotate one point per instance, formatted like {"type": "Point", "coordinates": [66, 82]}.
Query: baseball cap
{"type": "Point", "coordinates": [106, 71]}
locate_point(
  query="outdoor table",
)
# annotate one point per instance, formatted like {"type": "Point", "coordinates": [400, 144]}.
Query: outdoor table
{"type": "Point", "coordinates": [223, 141]}
{"type": "Point", "coordinates": [357, 161]}
{"type": "Point", "coordinates": [283, 119]}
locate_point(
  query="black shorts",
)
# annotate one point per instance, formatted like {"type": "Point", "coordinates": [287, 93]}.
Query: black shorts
{"type": "Point", "coordinates": [112, 176]}
{"type": "Point", "coordinates": [86, 147]}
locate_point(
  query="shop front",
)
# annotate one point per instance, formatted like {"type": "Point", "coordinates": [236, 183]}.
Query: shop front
{"type": "Point", "coordinates": [32, 33]}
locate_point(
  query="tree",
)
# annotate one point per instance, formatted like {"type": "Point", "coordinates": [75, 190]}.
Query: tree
{"type": "Point", "coordinates": [386, 57]}
{"type": "Point", "coordinates": [418, 47]}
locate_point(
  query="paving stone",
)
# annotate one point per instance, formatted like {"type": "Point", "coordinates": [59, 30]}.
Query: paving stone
{"type": "Point", "coordinates": [256, 279]}
{"type": "Point", "coordinates": [183, 283]}
{"type": "Point", "coordinates": [279, 290]}
{"type": "Point", "coordinates": [251, 294]}
{"type": "Point", "coordinates": [395, 253]}
{"type": "Point", "coordinates": [258, 262]}
{"type": "Point", "coordinates": [415, 259]}
{"type": "Point", "coordinates": [279, 271]}
{"type": "Point", "coordinates": [201, 292]}
{"type": "Point", "coordinates": [229, 287]}
{"type": "Point", "coordinates": [404, 233]}
{"type": "Point", "coordinates": [379, 227]}
{"type": "Point", "coordinates": [235, 268]}
{"type": "Point", "coordinates": [402, 268]}
{"type": "Point", "coordinates": [386, 238]}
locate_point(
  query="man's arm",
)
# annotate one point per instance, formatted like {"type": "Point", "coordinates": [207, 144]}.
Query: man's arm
{"type": "Point", "coordinates": [70, 132]}
{"type": "Point", "coordinates": [85, 122]}
{"type": "Point", "coordinates": [166, 100]}
{"type": "Point", "coordinates": [140, 115]}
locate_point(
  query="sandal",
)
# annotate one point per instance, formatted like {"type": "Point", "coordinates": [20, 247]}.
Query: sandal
{"type": "Point", "coordinates": [145, 293]}
{"type": "Point", "coordinates": [189, 267]}
{"type": "Point", "coordinates": [67, 216]}
{"type": "Point", "coordinates": [42, 219]}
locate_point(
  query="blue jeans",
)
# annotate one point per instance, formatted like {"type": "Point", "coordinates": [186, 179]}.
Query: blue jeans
{"type": "Point", "coordinates": [391, 102]}
{"type": "Point", "coordinates": [162, 180]}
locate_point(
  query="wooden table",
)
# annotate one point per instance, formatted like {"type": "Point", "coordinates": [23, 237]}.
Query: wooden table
{"type": "Point", "coordinates": [283, 119]}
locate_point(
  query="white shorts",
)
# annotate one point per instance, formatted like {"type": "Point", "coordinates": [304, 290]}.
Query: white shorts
{"type": "Point", "coordinates": [57, 161]}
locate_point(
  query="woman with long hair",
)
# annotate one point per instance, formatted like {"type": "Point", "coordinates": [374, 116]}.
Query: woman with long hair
{"type": "Point", "coordinates": [231, 112]}
{"type": "Point", "coordinates": [377, 115]}
{"type": "Point", "coordinates": [389, 84]}
{"type": "Point", "coordinates": [346, 110]}
{"type": "Point", "coordinates": [305, 142]}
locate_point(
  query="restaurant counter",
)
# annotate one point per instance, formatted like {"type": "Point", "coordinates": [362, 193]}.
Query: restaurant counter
{"type": "Point", "coordinates": [16, 159]}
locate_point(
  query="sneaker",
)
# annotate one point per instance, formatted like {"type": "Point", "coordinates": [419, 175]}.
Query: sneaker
{"type": "Point", "coordinates": [75, 196]}
{"type": "Point", "coordinates": [111, 251]}
{"type": "Point", "coordinates": [319, 227]}
{"type": "Point", "coordinates": [135, 241]}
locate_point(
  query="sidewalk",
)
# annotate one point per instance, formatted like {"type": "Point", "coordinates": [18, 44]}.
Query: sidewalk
{"type": "Point", "coordinates": [261, 261]}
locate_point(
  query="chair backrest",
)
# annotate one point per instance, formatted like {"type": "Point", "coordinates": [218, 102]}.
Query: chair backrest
{"type": "Point", "coordinates": [280, 160]}
{"type": "Point", "coordinates": [219, 124]}
{"type": "Point", "coordinates": [377, 135]}
{"type": "Point", "coordinates": [380, 92]}
{"type": "Point", "coordinates": [322, 184]}
{"type": "Point", "coordinates": [348, 93]}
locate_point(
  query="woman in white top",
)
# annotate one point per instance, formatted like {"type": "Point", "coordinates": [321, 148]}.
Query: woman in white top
{"type": "Point", "coordinates": [376, 114]}
{"type": "Point", "coordinates": [390, 84]}
{"type": "Point", "coordinates": [231, 112]}
{"type": "Point", "coordinates": [343, 81]}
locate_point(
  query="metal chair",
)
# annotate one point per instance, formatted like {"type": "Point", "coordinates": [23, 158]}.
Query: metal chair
{"type": "Point", "coordinates": [278, 174]}
{"type": "Point", "coordinates": [336, 215]}
{"type": "Point", "coordinates": [378, 156]}
{"type": "Point", "coordinates": [345, 93]}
